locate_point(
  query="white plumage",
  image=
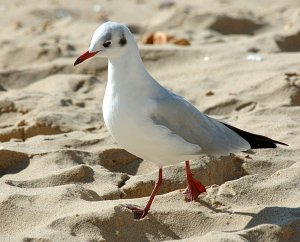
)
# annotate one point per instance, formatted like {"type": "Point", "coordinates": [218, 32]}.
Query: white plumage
{"type": "Point", "coordinates": [154, 123]}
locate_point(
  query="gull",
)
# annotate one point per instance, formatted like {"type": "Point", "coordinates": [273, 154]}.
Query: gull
{"type": "Point", "coordinates": [154, 123]}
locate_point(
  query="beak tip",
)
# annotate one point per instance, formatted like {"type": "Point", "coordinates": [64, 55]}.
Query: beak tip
{"type": "Point", "coordinates": [86, 55]}
{"type": "Point", "coordinates": [78, 61]}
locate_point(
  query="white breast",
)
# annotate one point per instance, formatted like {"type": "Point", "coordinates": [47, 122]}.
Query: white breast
{"type": "Point", "coordinates": [128, 104]}
{"type": "Point", "coordinates": [131, 126]}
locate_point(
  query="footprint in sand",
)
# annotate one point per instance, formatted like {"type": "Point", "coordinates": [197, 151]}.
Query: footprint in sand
{"type": "Point", "coordinates": [288, 43]}
{"type": "Point", "coordinates": [12, 162]}
{"type": "Point", "coordinates": [235, 25]}
{"type": "Point", "coordinates": [230, 106]}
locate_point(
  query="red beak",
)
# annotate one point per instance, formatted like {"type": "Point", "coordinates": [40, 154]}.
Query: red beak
{"type": "Point", "coordinates": [86, 55]}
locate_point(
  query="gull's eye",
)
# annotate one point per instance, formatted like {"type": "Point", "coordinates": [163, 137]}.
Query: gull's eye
{"type": "Point", "coordinates": [107, 43]}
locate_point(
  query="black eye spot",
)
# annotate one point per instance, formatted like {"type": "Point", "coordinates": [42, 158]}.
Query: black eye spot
{"type": "Point", "coordinates": [122, 41]}
{"type": "Point", "coordinates": [107, 43]}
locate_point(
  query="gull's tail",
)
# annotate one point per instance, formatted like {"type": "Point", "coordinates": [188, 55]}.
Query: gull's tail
{"type": "Point", "coordinates": [256, 141]}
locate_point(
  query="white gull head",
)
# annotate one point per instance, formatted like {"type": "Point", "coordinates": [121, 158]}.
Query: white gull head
{"type": "Point", "coordinates": [111, 40]}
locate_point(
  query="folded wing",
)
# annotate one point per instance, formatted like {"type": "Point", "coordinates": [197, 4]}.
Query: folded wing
{"type": "Point", "coordinates": [184, 120]}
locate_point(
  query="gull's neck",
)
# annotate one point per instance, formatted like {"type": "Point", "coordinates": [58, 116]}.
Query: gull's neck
{"type": "Point", "coordinates": [129, 61]}
{"type": "Point", "coordinates": [127, 73]}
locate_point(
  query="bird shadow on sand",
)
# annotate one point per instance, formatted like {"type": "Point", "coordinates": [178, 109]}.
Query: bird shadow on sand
{"type": "Point", "coordinates": [281, 216]}
{"type": "Point", "coordinates": [288, 219]}
{"type": "Point", "coordinates": [284, 220]}
{"type": "Point", "coordinates": [273, 215]}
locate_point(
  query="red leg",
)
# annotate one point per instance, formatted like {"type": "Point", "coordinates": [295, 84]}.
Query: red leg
{"type": "Point", "coordinates": [141, 213]}
{"type": "Point", "coordinates": [194, 187]}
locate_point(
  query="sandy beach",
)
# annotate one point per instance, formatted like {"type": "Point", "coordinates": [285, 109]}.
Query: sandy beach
{"type": "Point", "coordinates": [63, 177]}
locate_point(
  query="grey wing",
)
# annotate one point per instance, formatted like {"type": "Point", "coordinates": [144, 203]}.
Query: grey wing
{"type": "Point", "coordinates": [183, 119]}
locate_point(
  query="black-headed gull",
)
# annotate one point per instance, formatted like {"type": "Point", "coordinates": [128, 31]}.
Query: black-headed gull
{"type": "Point", "coordinates": [151, 121]}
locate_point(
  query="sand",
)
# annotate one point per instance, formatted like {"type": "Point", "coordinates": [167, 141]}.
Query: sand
{"type": "Point", "coordinates": [62, 176]}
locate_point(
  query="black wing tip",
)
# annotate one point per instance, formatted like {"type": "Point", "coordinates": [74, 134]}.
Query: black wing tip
{"type": "Point", "coordinates": [265, 144]}
{"type": "Point", "coordinates": [256, 141]}
{"type": "Point", "coordinates": [280, 143]}
{"type": "Point", "coordinates": [262, 142]}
